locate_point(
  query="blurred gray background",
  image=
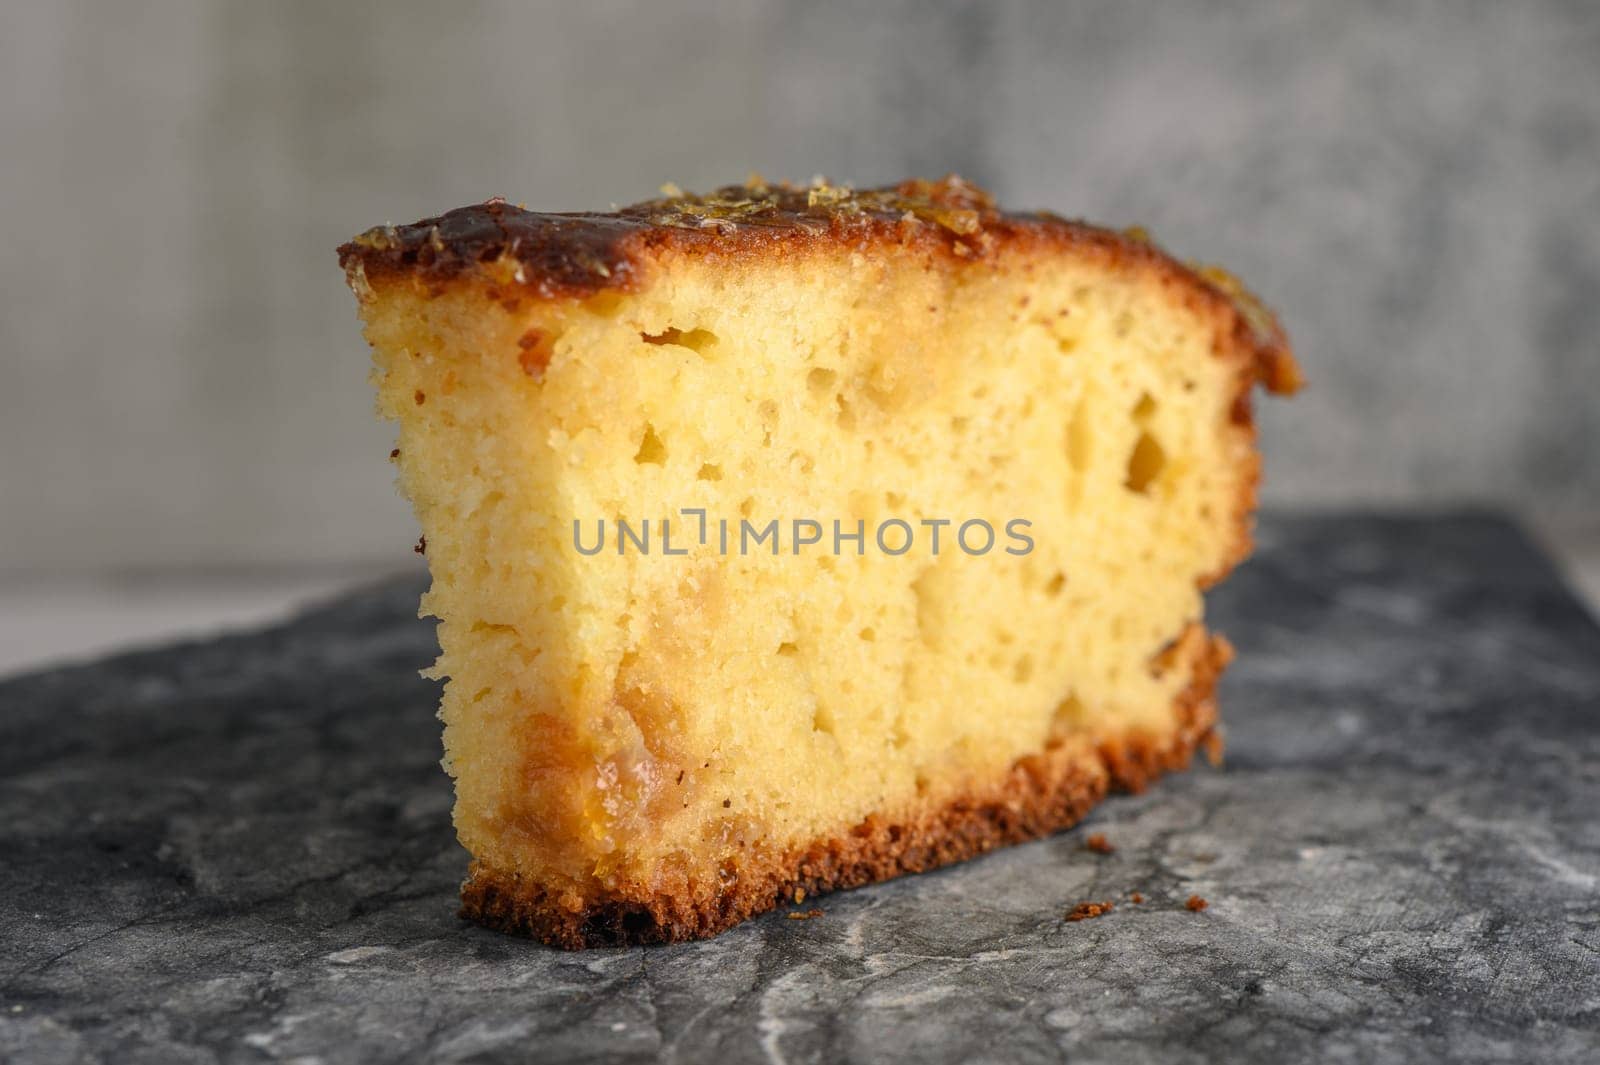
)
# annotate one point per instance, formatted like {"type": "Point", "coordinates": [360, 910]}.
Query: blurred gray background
{"type": "Point", "coordinates": [1415, 187]}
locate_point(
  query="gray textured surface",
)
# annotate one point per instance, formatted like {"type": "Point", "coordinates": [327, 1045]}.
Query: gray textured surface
{"type": "Point", "coordinates": [240, 851]}
{"type": "Point", "coordinates": [1416, 186]}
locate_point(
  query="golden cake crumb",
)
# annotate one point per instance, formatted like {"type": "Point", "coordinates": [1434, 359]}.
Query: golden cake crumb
{"type": "Point", "coordinates": [1083, 911]}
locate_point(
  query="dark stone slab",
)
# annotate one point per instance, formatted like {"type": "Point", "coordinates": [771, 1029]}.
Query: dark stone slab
{"type": "Point", "coordinates": [240, 850]}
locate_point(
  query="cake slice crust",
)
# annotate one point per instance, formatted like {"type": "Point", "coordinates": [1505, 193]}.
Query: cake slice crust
{"type": "Point", "coordinates": [1040, 795]}
{"type": "Point", "coordinates": [654, 746]}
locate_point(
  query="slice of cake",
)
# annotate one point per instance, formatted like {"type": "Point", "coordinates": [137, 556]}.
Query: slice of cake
{"type": "Point", "coordinates": [789, 539]}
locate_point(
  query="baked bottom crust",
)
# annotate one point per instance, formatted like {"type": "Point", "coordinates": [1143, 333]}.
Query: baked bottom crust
{"type": "Point", "coordinates": [1040, 794]}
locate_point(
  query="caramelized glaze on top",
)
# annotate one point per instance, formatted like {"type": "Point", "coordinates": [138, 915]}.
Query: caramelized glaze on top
{"type": "Point", "coordinates": [579, 254]}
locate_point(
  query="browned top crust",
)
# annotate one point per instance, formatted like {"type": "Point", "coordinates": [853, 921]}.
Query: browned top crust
{"type": "Point", "coordinates": [577, 255]}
